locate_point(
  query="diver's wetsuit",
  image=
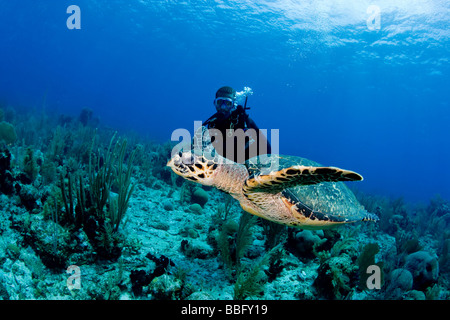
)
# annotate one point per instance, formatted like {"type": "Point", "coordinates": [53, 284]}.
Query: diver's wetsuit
{"type": "Point", "coordinates": [255, 141]}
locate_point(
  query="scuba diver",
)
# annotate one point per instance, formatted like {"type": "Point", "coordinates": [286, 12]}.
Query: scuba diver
{"type": "Point", "coordinates": [236, 127]}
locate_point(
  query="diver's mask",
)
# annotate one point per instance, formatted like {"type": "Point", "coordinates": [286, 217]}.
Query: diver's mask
{"type": "Point", "coordinates": [224, 105]}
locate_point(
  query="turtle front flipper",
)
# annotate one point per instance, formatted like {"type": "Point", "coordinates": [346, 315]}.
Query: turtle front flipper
{"type": "Point", "coordinates": [297, 175]}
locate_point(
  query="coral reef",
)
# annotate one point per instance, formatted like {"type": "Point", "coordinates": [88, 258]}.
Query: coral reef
{"type": "Point", "coordinates": [75, 193]}
{"type": "Point", "coordinates": [424, 268]}
{"type": "Point", "coordinates": [7, 132]}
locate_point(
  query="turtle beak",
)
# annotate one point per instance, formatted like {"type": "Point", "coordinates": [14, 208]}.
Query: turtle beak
{"type": "Point", "coordinates": [171, 162]}
{"type": "Point", "coordinates": [174, 162]}
{"type": "Point", "coordinates": [177, 165]}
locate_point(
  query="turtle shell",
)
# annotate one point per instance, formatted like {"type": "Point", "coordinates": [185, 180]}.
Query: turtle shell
{"type": "Point", "coordinates": [327, 197]}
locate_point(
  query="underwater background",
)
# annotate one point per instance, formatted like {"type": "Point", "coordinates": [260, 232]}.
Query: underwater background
{"type": "Point", "coordinates": [361, 85]}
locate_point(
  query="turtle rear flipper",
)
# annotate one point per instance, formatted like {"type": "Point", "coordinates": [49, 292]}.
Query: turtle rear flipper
{"type": "Point", "coordinates": [297, 175]}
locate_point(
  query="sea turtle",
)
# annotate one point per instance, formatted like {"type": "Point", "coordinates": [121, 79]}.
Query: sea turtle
{"type": "Point", "coordinates": [288, 190]}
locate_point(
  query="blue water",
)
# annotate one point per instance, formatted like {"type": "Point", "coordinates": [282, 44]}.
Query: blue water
{"type": "Point", "coordinates": [341, 91]}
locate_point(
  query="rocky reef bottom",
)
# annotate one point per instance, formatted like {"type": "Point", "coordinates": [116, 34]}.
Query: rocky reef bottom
{"type": "Point", "coordinates": [85, 215]}
{"type": "Point", "coordinates": [173, 249]}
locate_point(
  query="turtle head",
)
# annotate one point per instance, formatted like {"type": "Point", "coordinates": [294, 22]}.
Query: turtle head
{"type": "Point", "coordinates": [193, 167]}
